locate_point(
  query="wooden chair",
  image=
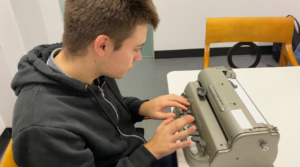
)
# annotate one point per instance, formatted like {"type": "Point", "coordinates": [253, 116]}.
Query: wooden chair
{"type": "Point", "coordinates": [7, 159]}
{"type": "Point", "coordinates": [252, 29]}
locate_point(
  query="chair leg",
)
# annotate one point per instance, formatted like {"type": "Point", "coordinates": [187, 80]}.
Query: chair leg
{"type": "Point", "coordinates": [206, 56]}
{"type": "Point", "coordinates": [289, 53]}
{"type": "Point", "coordinates": [283, 60]}
{"type": "Point", "coordinates": [7, 159]}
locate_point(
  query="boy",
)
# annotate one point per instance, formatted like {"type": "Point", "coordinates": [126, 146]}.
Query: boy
{"type": "Point", "coordinates": [69, 110]}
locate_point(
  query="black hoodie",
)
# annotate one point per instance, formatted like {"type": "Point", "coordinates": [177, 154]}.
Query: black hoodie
{"type": "Point", "coordinates": [60, 121]}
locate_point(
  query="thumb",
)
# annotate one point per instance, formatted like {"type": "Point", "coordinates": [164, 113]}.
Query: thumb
{"type": "Point", "coordinates": [165, 115]}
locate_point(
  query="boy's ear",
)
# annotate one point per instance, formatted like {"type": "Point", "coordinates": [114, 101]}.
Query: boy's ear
{"type": "Point", "coordinates": [100, 45]}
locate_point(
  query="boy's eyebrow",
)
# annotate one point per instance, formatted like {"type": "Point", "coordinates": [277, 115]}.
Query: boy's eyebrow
{"type": "Point", "coordinates": [141, 44]}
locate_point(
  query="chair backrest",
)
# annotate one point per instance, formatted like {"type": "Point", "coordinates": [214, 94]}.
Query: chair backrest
{"type": "Point", "coordinates": [7, 159]}
{"type": "Point", "coordinates": [250, 29]}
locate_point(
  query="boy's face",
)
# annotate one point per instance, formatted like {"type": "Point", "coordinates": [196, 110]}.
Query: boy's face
{"type": "Point", "coordinates": [122, 60]}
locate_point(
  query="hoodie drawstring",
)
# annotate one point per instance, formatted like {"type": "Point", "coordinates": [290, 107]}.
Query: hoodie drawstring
{"type": "Point", "coordinates": [116, 126]}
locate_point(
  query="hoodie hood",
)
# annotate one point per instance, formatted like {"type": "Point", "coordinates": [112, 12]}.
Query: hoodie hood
{"type": "Point", "coordinates": [32, 69]}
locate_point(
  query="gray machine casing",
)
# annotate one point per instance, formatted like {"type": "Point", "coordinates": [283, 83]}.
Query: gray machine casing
{"type": "Point", "coordinates": [226, 144]}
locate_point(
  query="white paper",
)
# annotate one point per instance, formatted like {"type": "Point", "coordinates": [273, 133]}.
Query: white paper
{"type": "Point", "coordinates": [241, 119]}
{"type": "Point", "coordinates": [193, 146]}
{"type": "Point", "coordinates": [248, 103]}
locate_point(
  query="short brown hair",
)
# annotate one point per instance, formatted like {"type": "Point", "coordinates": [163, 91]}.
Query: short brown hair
{"type": "Point", "coordinates": [84, 20]}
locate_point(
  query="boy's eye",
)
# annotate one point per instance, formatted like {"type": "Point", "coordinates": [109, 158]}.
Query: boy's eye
{"type": "Point", "coordinates": [137, 50]}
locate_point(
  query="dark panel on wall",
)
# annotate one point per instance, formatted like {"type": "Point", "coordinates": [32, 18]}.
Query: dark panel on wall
{"type": "Point", "coordinates": [213, 52]}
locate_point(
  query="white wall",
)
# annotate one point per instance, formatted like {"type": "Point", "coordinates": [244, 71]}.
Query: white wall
{"type": "Point", "coordinates": [11, 49]}
{"type": "Point", "coordinates": [23, 25]}
{"type": "Point", "coordinates": [183, 22]}
{"type": "Point", "coordinates": [7, 97]}
{"type": "Point", "coordinates": [39, 21]}
{"type": "Point", "coordinates": [53, 19]}
{"type": "Point", "coordinates": [30, 22]}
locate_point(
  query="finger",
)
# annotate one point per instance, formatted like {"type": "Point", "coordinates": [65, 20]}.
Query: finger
{"type": "Point", "coordinates": [174, 104]}
{"type": "Point", "coordinates": [179, 145]}
{"type": "Point", "coordinates": [183, 134]}
{"type": "Point", "coordinates": [179, 99]}
{"type": "Point", "coordinates": [165, 115]}
{"type": "Point", "coordinates": [165, 122]}
{"type": "Point", "coordinates": [171, 115]}
{"type": "Point", "coordinates": [177, 96]}
{"type": "Point", "coordinates": [174, 96]}
{"type": "Point", "coordinates": [178, 124]}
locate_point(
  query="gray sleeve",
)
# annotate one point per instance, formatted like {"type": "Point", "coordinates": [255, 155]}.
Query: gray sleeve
{"type": "Point", "coordinates": [140, 157]}
{"type": "Point", "coordinates": [48, 147]}
{"type": "Point", "coordinates": [133, 104]}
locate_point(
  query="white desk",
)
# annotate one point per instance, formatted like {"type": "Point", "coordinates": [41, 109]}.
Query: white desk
{"type": "Point", "coordinates": [275, 92]}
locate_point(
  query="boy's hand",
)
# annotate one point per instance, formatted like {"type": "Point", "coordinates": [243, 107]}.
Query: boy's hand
{"type": "Point", "coordinates": [154, 108]}
{"type": "Point", "coordinates": [164, 140]}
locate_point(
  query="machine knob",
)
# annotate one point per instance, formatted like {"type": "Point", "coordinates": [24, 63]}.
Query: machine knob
{"type": "Point", "coordinates": [196, 138]}
{"type": "Point", "coordinates": [185, 112]}
{"type": "Point", "coordinates": [189, 112]}
{"type": "Point", "coordinates": [180, 111]}
{"type": "Point", "coordinates": [264, 146]}
{"type": "Point", "coordinates": [199, 140]}
{"type": "Point", "coordinates": [195, 133]}
{"type": "Point", "coordinates": [201, 91]}
{"type": "Point", "coordinates": [202, 143]}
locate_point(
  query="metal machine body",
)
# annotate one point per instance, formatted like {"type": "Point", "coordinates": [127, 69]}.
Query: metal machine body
{"type": "Point", "coordinates": [228, 134]}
